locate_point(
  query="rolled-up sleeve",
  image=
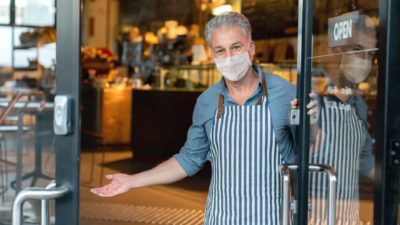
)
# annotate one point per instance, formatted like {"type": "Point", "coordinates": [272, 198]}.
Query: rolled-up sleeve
{"type": "Point", "coordinates": [367, 160]}
{"type": "Point", "coordinates": [194, 153]}
{"type": "Point", "coordinates": [281, 93]}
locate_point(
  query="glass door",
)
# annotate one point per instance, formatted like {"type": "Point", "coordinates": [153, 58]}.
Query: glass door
{"type": "Point", "coordinates": [27, 85]}
{"type": "Point", "coordinates": [344, 80]}
{"type": "Point", "coordinates": [342, 87]}
{"type": "Point", "coordinates": [36, 69]}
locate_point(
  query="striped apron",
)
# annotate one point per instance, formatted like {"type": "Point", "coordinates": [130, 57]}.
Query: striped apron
{"type": "Point", "coordinates": [245, 186]}
{"type": "Point", "coordinates": [338, 144]}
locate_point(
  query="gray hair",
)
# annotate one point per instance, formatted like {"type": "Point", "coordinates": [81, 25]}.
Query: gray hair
{"type": "Point", "coordinates": [227, 19]}
{"type": "Point", "coordinates": [365, 24]}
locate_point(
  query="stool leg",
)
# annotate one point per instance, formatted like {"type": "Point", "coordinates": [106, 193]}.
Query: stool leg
{"type": "Point", "coordinates": [4, 170]}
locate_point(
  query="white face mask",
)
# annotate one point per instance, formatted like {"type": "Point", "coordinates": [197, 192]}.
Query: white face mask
{"type": "Point", "coordinates": [234, 68]}
{"type": "Point", "coordinates": [355, 69]}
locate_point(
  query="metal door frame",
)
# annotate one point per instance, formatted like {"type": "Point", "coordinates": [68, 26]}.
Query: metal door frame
{"type": "Point", "coordinates": [305, 30]}
{"type": "Point", "coordinates": [68, 24]}
{"type": "Point", "coordinates": [387, 117]}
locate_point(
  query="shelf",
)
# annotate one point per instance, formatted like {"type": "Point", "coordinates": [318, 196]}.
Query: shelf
{"type": "Point", "coordinates": [25, 46]}
{"type": "Point", "coordinates": [28, 68]}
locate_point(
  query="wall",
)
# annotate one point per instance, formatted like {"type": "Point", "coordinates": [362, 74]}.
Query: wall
{"type": "Point", "coordinates": [101, 23]}
{"type": "Point", "coordinates": [151, 14]}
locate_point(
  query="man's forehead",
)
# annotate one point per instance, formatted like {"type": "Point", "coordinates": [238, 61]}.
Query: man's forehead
{"type": "Point", "coordinates": [366, 41]}
{"type": "Point", "coordinates": [228, 35]}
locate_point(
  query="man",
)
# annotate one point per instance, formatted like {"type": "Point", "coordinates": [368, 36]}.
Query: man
{"type": "Point", "coordinates": [241, 125]}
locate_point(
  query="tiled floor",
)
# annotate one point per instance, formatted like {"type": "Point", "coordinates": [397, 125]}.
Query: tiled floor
{"type": "Point", "coordinates": [156, 202]}
{"type": "Point", "coordinates": [179, 203]}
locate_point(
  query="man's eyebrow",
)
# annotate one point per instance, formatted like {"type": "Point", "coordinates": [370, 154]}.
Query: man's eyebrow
{"type": "Point", "coordinates": [358, 46]}
{"type": "Point", "coordinates": [236, 43]}
{"type": "Point", "coordinates": [240, 43]}
{"type": "Point", "coordinates": [218, 46]}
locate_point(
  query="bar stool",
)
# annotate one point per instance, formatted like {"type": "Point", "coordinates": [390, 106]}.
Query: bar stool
{"type": "Point", "coordinates": [5, 162]}
{"type": "Point", "coordinates": [12, 121]}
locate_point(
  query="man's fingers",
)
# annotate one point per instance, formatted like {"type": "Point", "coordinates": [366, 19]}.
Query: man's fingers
{"type": "Point", "coordinates": [312, 104]}
{"type": "Point", "coordinates": [313, 111]}
{"type": "Point", "coordinates": [313, 95]}
{"type": "Point", "coordinates": [294, 103]}
{"type": "Point", "coordinates": [103, 191]}
{"type": "Point", "coordinates": [111, 191]}
{"type": "Point", "coordinates": [109, 176]}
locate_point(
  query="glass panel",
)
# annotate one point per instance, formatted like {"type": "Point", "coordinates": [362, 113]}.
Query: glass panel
{"type": "Point", "coordinates": [26, 135]}
{"type": "Point", "coordinates": [5, 12]}
{"type": "Point", "coordinates": [180, 62]}
{"type": "Point", "coordinates": [344, 80]}
{"type": "Point", "coordinates": [35, 12]}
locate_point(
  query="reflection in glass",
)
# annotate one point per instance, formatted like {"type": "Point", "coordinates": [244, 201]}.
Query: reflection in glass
{"type": "Point", "coordinates": [340, 136]}
{"type": "Point", "coordinates": [5, 12]}
{"type": "Point", "coordinates": [35, 12]}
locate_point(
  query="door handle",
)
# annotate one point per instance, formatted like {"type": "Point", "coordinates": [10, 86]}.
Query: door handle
{"type": "Point", "coordinates": [44, 194]}
{"type": "Point", "coordinates": [330, 171]}
{"type": "Point", "coordinates": [44, 212]}
{"type": "Point", "coordinates": [285, 194]}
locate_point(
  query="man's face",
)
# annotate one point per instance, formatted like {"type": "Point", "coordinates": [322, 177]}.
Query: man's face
{"type": "Point", "coordinates": [228, 41]}
{"type": "Point", "coordinates": [362, 46]}
{"type": "Point", "coordinates": [353, 61]}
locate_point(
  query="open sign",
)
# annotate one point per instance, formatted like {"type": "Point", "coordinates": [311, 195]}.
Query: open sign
{"type": "Point", "coordinates": [340, 28]}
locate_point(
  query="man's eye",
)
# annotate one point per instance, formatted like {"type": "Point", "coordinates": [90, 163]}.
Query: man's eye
{"type": "Point", "coordinates": [219, 52]}
{"type": "Point", "coordinates": [237, 47]}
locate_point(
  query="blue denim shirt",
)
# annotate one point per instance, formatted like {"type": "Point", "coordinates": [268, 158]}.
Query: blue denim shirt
{"type": "Point", "coordinates": [196, 150]}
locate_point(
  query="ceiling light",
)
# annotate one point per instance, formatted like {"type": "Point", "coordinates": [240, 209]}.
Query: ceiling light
{"type": "Point", "coordinates": [221, 9]}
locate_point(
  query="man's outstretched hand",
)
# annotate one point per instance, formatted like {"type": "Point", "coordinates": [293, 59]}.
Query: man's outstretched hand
{"type": "Point", "coordinates": [120, 183]}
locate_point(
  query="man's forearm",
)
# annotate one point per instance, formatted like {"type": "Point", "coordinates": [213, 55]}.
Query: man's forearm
{"type": "Point", "coordinates": [167, 172]}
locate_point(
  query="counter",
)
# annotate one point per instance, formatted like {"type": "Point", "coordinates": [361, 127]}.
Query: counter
{"type": "Point", "coordinates": [160, 121]}
{"type": "Point", "coordinates": [106, 115]}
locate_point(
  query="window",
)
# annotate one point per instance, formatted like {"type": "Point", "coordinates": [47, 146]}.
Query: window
{"type": "Point", "coordinates": [5, 47]}
{"type": "Point", "coordinates": [35, 12]}
{"type": "Point", "coordinates": [5, 12]}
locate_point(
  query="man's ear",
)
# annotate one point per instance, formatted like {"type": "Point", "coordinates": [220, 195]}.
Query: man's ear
{"type": "Point", "coordinates": [252, 48]}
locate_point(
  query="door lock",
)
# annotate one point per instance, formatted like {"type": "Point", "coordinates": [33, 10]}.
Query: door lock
{"type": "Point", "coordinates": [295, 117]}
{"type": "Point", "coordinates": [62, 115]}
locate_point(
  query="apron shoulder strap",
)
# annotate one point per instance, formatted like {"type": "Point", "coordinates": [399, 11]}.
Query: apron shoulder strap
{"type": "Point", "coordinates": [264, 90]}
{"type": "Point", "coordinates": [220, 104]}
{"type": "Point", "coordinates": [264, 86]}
